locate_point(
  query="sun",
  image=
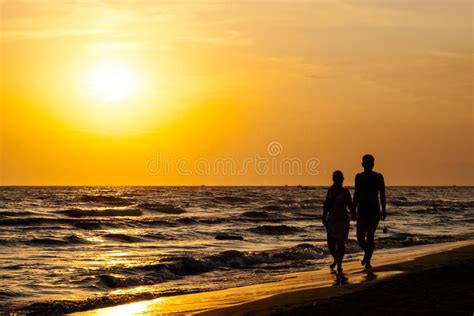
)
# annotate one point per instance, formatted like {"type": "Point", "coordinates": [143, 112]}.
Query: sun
{"type": "Point", "coordinates": [112, 82]}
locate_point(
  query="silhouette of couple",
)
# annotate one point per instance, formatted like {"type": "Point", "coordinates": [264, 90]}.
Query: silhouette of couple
{"type": "Point", "coordinates": [365, 209]}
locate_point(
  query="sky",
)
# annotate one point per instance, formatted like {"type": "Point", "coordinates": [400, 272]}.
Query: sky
{"type": "Point", "coordinates": [98, 92]}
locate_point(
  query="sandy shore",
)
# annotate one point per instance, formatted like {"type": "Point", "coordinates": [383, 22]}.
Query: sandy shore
{"type": "Point", "coordinates": [413, 272]}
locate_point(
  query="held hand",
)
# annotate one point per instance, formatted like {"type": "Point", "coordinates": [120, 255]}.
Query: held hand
{"type": "Point", "coordinates": [383, 215]}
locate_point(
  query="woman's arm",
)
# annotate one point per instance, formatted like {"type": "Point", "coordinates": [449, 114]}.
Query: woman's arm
{"type": "Point", "coordinates": [326, 207]}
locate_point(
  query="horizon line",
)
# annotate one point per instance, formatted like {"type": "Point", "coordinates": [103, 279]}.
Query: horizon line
{"type": "Point", "coordinates": [225, 185]}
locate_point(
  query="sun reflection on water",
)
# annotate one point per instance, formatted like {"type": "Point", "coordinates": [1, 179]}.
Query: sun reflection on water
{"type": "Point", "coordinates": [138, 308]}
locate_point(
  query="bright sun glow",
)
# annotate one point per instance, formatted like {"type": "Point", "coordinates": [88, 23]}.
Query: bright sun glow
{"type": "Point", "coordinates": [112, 82]}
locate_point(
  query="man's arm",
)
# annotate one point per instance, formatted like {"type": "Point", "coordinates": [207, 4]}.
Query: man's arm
{"type": "Point", "coordinates": [350, 204]}
{"type": "Point", "coordinates": [355, 202]}
{"type": "Point", "coordinates": [382, 198]}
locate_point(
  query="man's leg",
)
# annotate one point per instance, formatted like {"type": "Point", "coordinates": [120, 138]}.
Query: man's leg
{"type": "Point", "coordinates": [361, 232]}
{"type": "Point", "coordinates": [371, 228]}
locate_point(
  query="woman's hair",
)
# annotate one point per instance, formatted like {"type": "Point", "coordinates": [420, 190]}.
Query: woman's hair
{"type": "Point", "coordinates": [338, 178]}
{"type": "Point", "coordinates": [335, 189]}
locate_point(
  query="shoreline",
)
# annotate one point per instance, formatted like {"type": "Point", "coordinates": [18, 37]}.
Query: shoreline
{"type": "Point", "coordinates": [300, 289]}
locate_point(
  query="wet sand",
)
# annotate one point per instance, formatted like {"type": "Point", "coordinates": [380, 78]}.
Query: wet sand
{"type": "Point", "coordinates": [422, 279]}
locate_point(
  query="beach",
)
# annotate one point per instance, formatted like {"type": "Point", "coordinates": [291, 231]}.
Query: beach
{"type": "Point", "coordinates": [398, 274]}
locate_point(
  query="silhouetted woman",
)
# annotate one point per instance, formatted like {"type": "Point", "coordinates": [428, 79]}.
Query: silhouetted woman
{"type": "Point", "coordinates": [336, 218]}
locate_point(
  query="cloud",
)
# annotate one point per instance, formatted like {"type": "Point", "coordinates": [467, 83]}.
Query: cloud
{"type": "Point", "coordinates": [231, 37]}
{"type": "Point", "coordinates": [38, 35]}
{"type": "Point", "coordinates": [36, 20]}
{"type": "Point", "coordinates": [293, 68]}
{"type": "Point", "coordinates": [451, 54]}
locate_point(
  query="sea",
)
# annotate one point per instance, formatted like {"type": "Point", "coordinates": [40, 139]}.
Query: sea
{"type": "Point", "coordinates": [66, 249]}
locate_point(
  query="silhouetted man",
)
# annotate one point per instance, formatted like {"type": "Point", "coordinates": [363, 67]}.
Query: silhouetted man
{"type": "Point", "coordinates": [368, 185]}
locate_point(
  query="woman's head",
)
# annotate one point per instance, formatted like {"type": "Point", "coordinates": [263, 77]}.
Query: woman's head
{"type": "Point", "coordinates": [337, 178]}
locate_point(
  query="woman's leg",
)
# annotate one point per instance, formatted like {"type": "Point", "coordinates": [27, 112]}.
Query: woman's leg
{"type": "Point", "coordinates": [332, 249]}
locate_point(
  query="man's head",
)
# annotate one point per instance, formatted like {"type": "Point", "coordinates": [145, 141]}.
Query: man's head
{"type": "Point", "coordinates": [368, 162]}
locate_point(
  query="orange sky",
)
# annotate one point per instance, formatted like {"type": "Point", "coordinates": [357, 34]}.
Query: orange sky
{"type": "Point", "coordinates": [215, 82]}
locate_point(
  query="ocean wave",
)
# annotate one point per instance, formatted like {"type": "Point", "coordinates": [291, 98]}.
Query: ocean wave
{"type": "Point", "coordinates": [97, 219]}
{"type": "Point", "coordinates": [317, 201]}
{"type": "Point", "coordinates": [173, 267]}
{"type": "Point", "coordinates": [99, 212]}
{"type": "Point", "coordinates": [31, 221]}
{"type": "Point", "coordinates": [274, 208]}
{"type": "Point", "coordinates": [187, 221]}
{"type": "Point", "coordinates": [275, 230]}
{"type": "Point", "coordinates": [469, 220]}
{"type": "Point", "coordinates": [162, 208]}
{"type": "Point", "coordinates": [123, 238]}
{"type": "Point", "coordinates": [15, 213]}
{"type": "Point", "coordinates": [62, 307]}
{"type": "Point", "coordinates": [352, 246]}
{"type": "Point", "coordinates": [310, 206]}
{"type": "Point", "coordinates": [157, 236]}
{"type": "Point", "coordinates": [436, 210]}
{"type": "Point", "coordinates": [255, 214]}
{"type": "Point", "coordinates": [111, 281]}
{"type": "Point", "coordinates": [89, 225]}
{"type": "Point", "coordinates": [6, 294]}
{"type": "Point", "coordinates": [399, 201]}
{"type": "Point", "coordinates": [57, 223]}
{"type": "Point", "coordinates": [307, 187]}
{"type": "Point", "coordinates": [231, 199]}
{"type": "Point", "coordinates": [7, 242]}
{"type": "Point", "coordinates": [425, 211]}
{"type": "Point", "coordinates": [213, 221]}
{"type": "Point", "coordinates": [309, 215]}
{"type": "Point", "coordinates": [70, 240]}
{"type": "Point", "coordinates": [272, 218]}
{"type": "Point", "coordinates": [156, 222]}
{"type": "Point", "coordinates": [153, 277]}
{"type": "Point", "coordinates": [285, 207]}
{"type": "Point", "coordinates": [228, 237]}
{"type": "Point", "coordinates": [401, 239]}
{"type": "Point", "coordinates": [105, 199]}
{"type": "Point", "coordinates": [18, 266]}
